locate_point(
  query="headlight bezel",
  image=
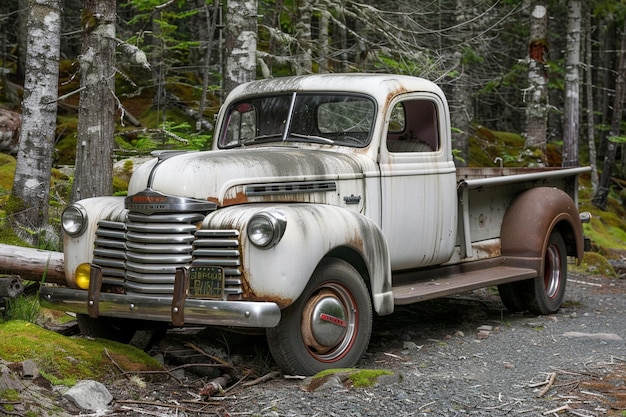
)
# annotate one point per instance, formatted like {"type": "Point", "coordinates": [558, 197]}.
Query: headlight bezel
{"type": "Point", "coordinates": [74, 226]}
{"type": "Point", "coordinates": [274, 223]}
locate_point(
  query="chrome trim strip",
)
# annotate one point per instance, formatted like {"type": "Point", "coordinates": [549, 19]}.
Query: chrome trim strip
{"type": "Point", "coordinates": [158, 308]}
{"type": "Point", "coordinates": [290, 187]}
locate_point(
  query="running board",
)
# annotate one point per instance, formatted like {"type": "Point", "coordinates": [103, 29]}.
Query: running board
{"type": "Point", "coordinates": [413, 290]}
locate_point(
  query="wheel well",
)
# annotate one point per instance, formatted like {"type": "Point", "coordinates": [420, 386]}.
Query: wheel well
{"type": "Point", "coordinates": [566, 231]}
{"type": "Point", "coordinates": [353, 258]}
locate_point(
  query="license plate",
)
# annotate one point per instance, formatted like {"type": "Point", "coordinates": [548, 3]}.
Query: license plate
{"type": "Point", "coordinates": [206, 282]}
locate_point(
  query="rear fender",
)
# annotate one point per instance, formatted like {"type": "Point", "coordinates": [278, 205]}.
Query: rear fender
{"type": "Point", "coordinates": [313, 232]}
{"type": "Point", "coordinates": [531, 218]}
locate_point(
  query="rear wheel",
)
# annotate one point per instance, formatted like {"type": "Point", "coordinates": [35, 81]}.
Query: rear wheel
{"type": "Point", "coordinates": [548, 290]}
{"type": "Point", "coordinates": [544, 294]}
{"type": "Point", "coordinates": [329, 326]}
{"type": "Point", "coordinates": [513, 295]}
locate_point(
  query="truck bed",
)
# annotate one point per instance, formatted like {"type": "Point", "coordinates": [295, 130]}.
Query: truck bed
{"type": "Point", "coordinates": [484, 195]}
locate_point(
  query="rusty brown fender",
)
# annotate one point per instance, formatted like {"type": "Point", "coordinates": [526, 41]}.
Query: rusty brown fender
{"type": "Point", "coordinates": [532, 216]}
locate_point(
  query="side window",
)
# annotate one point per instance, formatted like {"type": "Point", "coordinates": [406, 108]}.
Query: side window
{"type": "Point", "coordinates": [413, 127]}
{"type": "Point", "coordinates": [241, 124]}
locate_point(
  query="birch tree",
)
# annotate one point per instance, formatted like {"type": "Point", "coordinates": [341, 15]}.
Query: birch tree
{"type": "Point", "coordinates": [31, 185]}
{"type": "Point", "coordinates": [572, 85]}
{"type": "Point", "coordinates": [537, 92]}
{"type": "Point", "coordinates": [94, 147]}
{"type": "Point", "coordinates": [303, 36]}
{"type": "Point", "coordinates": [241, 42]}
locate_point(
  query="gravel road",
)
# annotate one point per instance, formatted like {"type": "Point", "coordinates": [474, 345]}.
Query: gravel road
{"type": "Point", "coordinates": [452, 357]}
{"type": "Point", "coordinates": [466, 356]}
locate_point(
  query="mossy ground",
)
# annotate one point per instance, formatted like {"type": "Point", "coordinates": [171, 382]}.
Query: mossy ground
{"type": "Point", "coordinates": [65, 360]}
{"type": "Point", "coordinates": [358, 378]}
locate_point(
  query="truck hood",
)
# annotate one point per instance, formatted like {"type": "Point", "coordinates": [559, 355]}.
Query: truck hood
{"type": "Point", "coordinates": [255, 174]}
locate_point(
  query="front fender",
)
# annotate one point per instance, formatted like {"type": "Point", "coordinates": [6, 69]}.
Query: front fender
{"type": "Point", "coordinates": [533, 215]}
{"type": "Point", "coordinates": [313, 231]}
{"type": "Point", "coordinates": [78, 250]}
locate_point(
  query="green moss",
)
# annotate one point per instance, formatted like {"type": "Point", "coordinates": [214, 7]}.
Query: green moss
{"type": "Point", "coordinates": [10, 395]}
{"type": "Point", "coordinates": [485, 145]}
{"type": "Point", "coordinates": [595, 263]}
{"type": "Point", "coordinates": [65, 360]}
{"type": "Point", "coordinates": [119, 184]}
{"type": "Point", "coordinates": [7, 172]}
{"type": "Point", "coordinates": [367, 377]}
{"type": "Point", "coordinates": [359, 378]}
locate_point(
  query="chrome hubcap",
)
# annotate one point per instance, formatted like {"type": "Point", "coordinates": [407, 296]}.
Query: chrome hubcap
{"type": "Point", "coordinates": [552, 272]}
{"type": "Point", "coordinates": [328, 322]}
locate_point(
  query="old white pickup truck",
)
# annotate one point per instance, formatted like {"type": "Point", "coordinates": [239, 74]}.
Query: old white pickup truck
{"type": "Point", "coordinates": [325, 199]}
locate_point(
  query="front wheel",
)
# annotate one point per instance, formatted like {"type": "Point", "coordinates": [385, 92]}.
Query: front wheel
{"type": "Point", "coordinates": [329, 326]}
{"type": "Point", "coordinates": [548, 290]}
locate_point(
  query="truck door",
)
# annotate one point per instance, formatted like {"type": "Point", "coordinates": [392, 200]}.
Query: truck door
{"type": "Point", "coordinates": [418, 182]}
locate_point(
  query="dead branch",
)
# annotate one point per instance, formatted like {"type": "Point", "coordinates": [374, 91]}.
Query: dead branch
{"type": "Point", "coordinates": [239, 381]}
{"type": "Point", "coordinates": [215, 358]}
{"type": "Point", "coordinates": [549, 384]}
{"type": "Point", "coordinates": [556, 410]}
{"type": "Point", "coordinates": [264, 378]}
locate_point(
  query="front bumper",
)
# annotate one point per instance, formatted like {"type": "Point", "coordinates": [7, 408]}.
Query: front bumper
{"type": "Point", "coordinates": [163, 308]}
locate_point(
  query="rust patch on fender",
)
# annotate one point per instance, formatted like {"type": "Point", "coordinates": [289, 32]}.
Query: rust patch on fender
{"type": "Point", "coordinates": [249, 295]}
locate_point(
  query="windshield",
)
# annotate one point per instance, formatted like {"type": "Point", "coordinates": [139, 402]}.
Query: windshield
{"type": "Point", "coordinates": [327, 118]}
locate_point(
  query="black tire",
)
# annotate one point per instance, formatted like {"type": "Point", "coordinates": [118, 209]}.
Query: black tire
{"type": "Point", "coordinates": [514, 295]}
{"type": "Point", "coordinates": [330, 324]}
{"type": "Point", "coordinates": [548, 290]}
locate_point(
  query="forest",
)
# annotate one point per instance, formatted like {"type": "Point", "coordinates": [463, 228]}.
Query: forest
{"type": "Point", "coordinates": [543, 77]}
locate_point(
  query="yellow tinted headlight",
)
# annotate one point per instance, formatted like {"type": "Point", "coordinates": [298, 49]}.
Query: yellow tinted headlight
{"type": "Point", "coordinates": [82, 274]}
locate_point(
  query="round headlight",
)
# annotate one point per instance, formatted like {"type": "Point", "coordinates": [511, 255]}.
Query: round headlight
{"type": "Point", "coordinates": [74, 220]}
{"type": "Point", "coordinates": [266, 229]}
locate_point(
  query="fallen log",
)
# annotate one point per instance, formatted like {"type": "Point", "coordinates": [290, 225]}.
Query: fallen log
{"type": "Point", "coordinates": [32, 264]}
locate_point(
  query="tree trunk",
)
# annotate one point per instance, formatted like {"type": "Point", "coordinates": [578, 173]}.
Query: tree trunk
{"type": "Point", "coordinates": [461, 108]}
{"type": "Point", "coordinates": [96, 112]}
{"type": "Point", "coordinates": [22, 23]}
{"type": "Point", "coordinates": [241, 40]}
{"type": "Point", "coordinates": [207, 34]}
{"type": "Point", "coordinates": [572, 85]}
{"type": "Point", "coordinates": [323, 39]}
{"type": "Point", "coordinates": [590, 106]}
{"type": "Point", "coordinates": [31, 185]}
{"type": "Point", "coordinates": [343, 65]}
{"type": "Point", "coordinates": [600, 199]}
{"type": "Point", "coordinates": [303, 35]}
{"type": "Point", "coordinates": [537, 94]}
{"type": "Point", "coordinates": [606, 37]}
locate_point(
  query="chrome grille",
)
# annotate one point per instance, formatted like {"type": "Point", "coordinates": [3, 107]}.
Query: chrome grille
{"type": "Point", "coordinates": [220, 248]}
{"type": "Point", "coordinates": [142, 254]}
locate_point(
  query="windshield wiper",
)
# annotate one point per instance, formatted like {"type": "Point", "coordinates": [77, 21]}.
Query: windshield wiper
{"type": "Point", "coordinates": [313, 137]}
